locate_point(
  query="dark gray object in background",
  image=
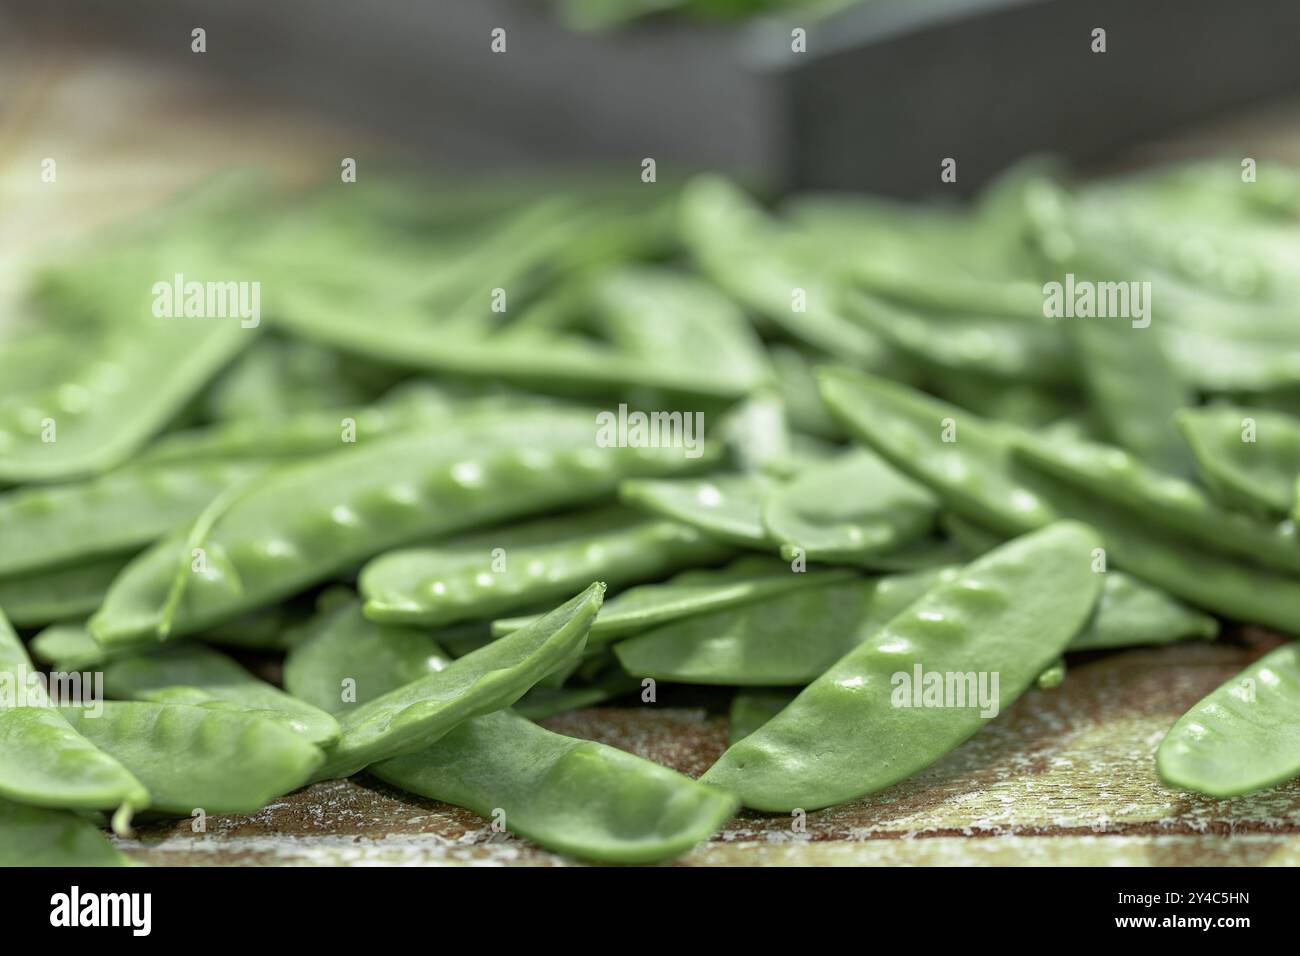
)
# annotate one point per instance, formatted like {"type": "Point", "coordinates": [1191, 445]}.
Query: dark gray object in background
{"type": "Point", "coordinates": [886, 90]}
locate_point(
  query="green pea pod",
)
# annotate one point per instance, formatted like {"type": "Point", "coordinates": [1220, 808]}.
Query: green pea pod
{"type": "Point", "coordinates": [219, 760]}
{"type": "Point", "coordinates": [853, 506]}
{"type": "Point", "coordinates": [798, 387]}
{"type": "Point", "coordinates": [347, 660]}
{"type": "Point", "coordinates": [751, 709]}
{"type": "Point", "coordinates": [728, 507]}
{"type": "Point", "coordinates": [114, 515]}
{"type": "Point", "coordinates": [490, 678]}
{"type": "Point", "coordinates": [965, 460]}
{"type": "Point", "coordinates": [542, 702]}
{"type": "Point", "coordinates": [1017, 349]}
{"type": "Point", "coordinates": [1242, 737]}
{"type": "Point", "coordinates": [304, 523]}
{"type": "Point", "coordinates": [43, 760]}
{"type": "Point", "coordinates": [790, 639]}
{"type": "Point", "coordinates": [198, 675]}
{"type": "Point", "coordinates": [38, 836]}
{"type": "Point", "coordinates": [751, 578]}
{"type": "Point", "coordinates": [859, 728]}
{"type": "Point", "coordinates": [486, 574]}
{"type": "Point", "coordinates": [37, 598]}
{"type": "Point", "coordinates": [1118, 477]}
{"type": "Point", "coordinates": [1250, 457]}
{"type": "Point", "coordinates": [574, 796]}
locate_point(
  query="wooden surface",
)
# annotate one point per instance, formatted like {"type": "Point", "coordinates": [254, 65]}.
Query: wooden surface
{"type": "Point", "coordinates": [1065, 776]}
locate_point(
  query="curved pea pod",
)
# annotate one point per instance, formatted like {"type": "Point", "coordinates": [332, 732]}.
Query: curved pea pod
{"type": "Point", "coordinates": [198, 675]}
{"type": "Point", "coordinates": [862, 726]}
{"type": "Point", "coordinates": [789, 639]}
{"type": "Point", "coordinates": [43, 760]}
{"type": "Point", "coordinates": [853, 506]}
{"type": "Point", "coordinates": [217, 759]}
{"type": "Point", "coordinates": [963, 459]}
{"type": "Point", "coordinates": [486, 574]}
{"type": "Point", "coordinates": [1244, 736]}
{"type": "Point", "coordinates": [135, 380]}
{"type": "Point", "coordinates": [490, 678]}
{"type": "Point", "coordinates": [1174, 562]}
{"type": "Point", "coordinates": [751, 709]}
{"type": "Point", "coordinates": [750, 578]}
{"type": "Point", "coordinates": [572, 796]}
{"type": "Point", "coordinates": [1249, 457]}
{"type": "Point", "coordinates": [113, 515]}
{"type": "Point", "coordinates": [38, 836]}
{"type": "Point", "coordinates": [1118, 477]}
{"type": "Point", "coordinates": [1019, 349]}
{"type": "Point", "coordinates": [728, 507]}
{"type": "Point", "coordinates": [301, 524]}
{"type": "Point", "coordinates": [46, 595]}
{"type": "Point", "coordinates": [347, 660]}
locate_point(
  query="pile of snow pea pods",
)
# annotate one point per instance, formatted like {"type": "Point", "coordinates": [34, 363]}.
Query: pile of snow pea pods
{"type": "Point", "coordinates": [390, 494]}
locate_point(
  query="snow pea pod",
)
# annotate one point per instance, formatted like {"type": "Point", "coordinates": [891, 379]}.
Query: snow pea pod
{"type": "Point", "coordinates": [1115, 475]}
{"type": "Point", "coordinates": [305, 522]}
{"type": "Point", "coordinates": [38, 836]}
{"type": "Point", "coordinates": [486, 574]}
{"type": "Point", "coordinates": [1249, 457]}
{"type": "Point", "coordinates": [216, 759]}
{"type": "Point", "coordinates": [853, 731]}
{"type": "Point", "coordinates": [573, 796]}
{"type": "Point", "coordinates": [1242, 737]}
{"type": "Point", "coordinates": [963, 459]}
{"type": "Point", "coordinates": [344, 646]}
{"type": "Point", "coordinates": [115, 514]}
{"type": "Point", "coordinates": [750, 578]}
{"type": "Point", "coordinates": [37, 598]}
{"type": "Point", "coordinates": [789, 639]}
{"type": "Point", "coordinates": [852, 506]}
{"type": "Point", "coordinates": [728, 507]}
{"type": "Point", "coordinates": [43, 760]}
{"type": "Point", "coordinates": [490, 678]}
{"type": "Point", "coordinates": [204, 677]}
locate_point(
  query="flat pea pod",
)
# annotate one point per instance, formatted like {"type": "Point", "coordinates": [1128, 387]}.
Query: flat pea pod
{"type": "Point", "coordinates": [69, 647]}
{"type": "Point", "coordinates": [191, 673]}
{"type": "Point", "coordinates": [490, 678]}
{"type": "Point", "coordinates": [39, 836]}
{"type": "Point", "coordinates": [1242, 737]}
{"type": "Point", "coordinates": [573, 796]}
{"type": "Point", "coordinates": [751, 708]}
{"type": "Point", "coordinates": [486, 574]}
{"type": "Point", "coordinates": [112, 515]}
{"type": "Point", "coordinates": [1115, 475]}
{"type": "Point", "coordinates": [854, 730]}
{"type": "Point", "coordinates": [43, 760]}
{"type": "Point", "coordinates": [728, 507]}
{"type": "Point", "coordinates": [68, 592]}
{"type": "Point", "coordinates": [790, 639]}
{"type": "Point", "coordinates": [138, 377]}
{"type": "Point", "coordinates": [965, 460]}
{"type": "Point", "coordinates": [750, 578]}
{"type": "Point", "coordinates": [1129, 613]}
{"type": "Point", "coordinates": [1250, 457]}
{"type": "Point", "coordinates": [218, 760]}
{"type": "Point", "coordinates": [303, 523]}
{"type": "Point", "coordinates": [852, 506]}
{"type": "Point", "coordinates": [347, 660]}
